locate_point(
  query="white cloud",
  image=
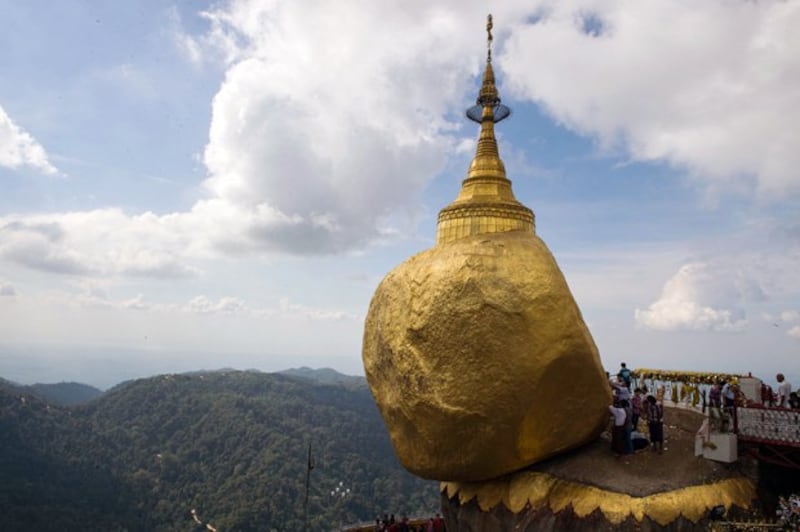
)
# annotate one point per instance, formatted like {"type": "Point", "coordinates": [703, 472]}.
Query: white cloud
{"type": "Point", "coordinates": [794, 332]}
{"type": "Point", "coordinates": [234, 305]}
{"type": "Point", "coordinates": [687, 302]}
{"type": "Point", "coordinates": [101, 242]}
{"type": "Point", "coordinates": [293, 309]}
{"type": "Point", "coordinates": [326, 122]}
{"type": "Point", "coordinates": [707, 283]}
{"type": "Point", "coordinates": [18, 148]}
{"type": "Point", "coordinates": [711, 87]}
{"type": "Point", "coordinates": [790, 315]}
{"type": "Point", "coordinates": [135, 303]}
{"type": "Point", "coordinates": [203, 305]}
{"type": "Point", "coordinates": [284, 309]}
{"type": "Point", "coordinates": [324, 128]}
{"type": "Point", "coordinates": [216, 45]}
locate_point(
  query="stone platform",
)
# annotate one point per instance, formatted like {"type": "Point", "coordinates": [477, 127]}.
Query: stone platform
{"type": "Point", "coordinates": [593, 489]}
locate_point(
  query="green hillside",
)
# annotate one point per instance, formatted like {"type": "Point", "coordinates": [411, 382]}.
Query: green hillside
{"type": "Point", "coordinates": [232, 446]}
{"type": "Point", "coordinates": [324, 376]}
{"type": "Point", "coordinates": [65, 393]}
{"type": "Point", "coordinates": [61, 393]}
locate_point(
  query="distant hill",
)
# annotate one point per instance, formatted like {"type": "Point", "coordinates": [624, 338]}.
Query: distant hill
{"type": "Point", "coordinates": [65, 393]}
{"type": "Point", "coordinates": [62, 393]}
{"type": "Point", "coordinates": [324, 376]}
{"type": "Point", "coordinates": [9, 385]}
{"type": "Point", "coordinates": [232, 446]}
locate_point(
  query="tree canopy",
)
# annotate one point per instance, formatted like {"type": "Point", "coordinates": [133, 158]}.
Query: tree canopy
{"type": "Point", "coordinates": [175, 452]}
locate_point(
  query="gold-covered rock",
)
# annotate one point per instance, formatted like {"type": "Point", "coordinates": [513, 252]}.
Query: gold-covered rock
{"type": "Point", "coordinates": [479, 359]}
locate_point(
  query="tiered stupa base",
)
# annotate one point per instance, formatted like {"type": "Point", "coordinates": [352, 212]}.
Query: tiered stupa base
{"type": "Point", "coordinates": [531, 502]}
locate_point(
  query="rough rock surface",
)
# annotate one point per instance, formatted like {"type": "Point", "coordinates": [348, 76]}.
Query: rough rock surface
{"type": "Point", "coordinates": [469, 348]}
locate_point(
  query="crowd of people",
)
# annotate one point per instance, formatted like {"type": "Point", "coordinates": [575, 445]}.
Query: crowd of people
{"type": "Point", "coordinates": [628, 409]}
{"type": "Point", "coordinates": [726, 396]}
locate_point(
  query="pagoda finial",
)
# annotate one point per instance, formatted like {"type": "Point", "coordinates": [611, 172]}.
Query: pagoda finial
{"type": "Point", "coordinates": [485, 203]}
{"type": "Point", "coordinates": [487, 106]}
{"type": "Point", "coordinates": [489, 38]}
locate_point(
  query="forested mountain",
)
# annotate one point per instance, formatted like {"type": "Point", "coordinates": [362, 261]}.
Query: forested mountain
{"type": "Point", "coordinates": [231, 446]}
{"type": "Point", "coordinates": [61, 393]}
{"type": "Point", "coordinates": [65, 393]}
{"type": "Point", "coordinates": [325, 376]}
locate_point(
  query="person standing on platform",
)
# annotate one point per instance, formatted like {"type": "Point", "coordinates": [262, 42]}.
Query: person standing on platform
{"type": "Point", "coordinates": [625, 375]}
{"type": "Point", "coordinates": [655, 423]}
{"type": "Point", "coordinates": [715, 395]}
{"type": "Point", "coordinates": [784, 390]}
{"type": "Point", "coordinates": [636, 408]}
{"type": "Point", "coordinates": [621, 392]}
{"type": "Point", "coordinates": [628, 426]}
{"type": "Point", "coordinates": [618, 430]}
{"type": "Point", "coordinates": [728, 396]}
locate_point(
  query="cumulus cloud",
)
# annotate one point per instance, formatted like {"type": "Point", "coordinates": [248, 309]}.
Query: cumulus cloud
{"type": "Point", "coordinates": [329, 121]}
{"type": "Point", "coordinates": [794, 332]}
{"type": "Point", "coordinates": [753, 271]}
{"type": "Point", "coordinates": [18, 148]}
{"type": "Point", "coordinates": [36, 245]}
{"type": "Point", "coordinates": [100, 242]}
{"type": "Point", "coordinates": [709, 87]}
{"type": "Point", "coordinates": [688, 302]}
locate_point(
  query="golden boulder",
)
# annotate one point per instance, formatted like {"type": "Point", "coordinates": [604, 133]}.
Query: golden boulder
{"type": "Point", "coordinates": [470, 349]}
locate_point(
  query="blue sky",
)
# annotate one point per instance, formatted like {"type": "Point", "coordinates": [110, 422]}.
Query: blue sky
{"type": "Point", "coordinates": [203, 185]}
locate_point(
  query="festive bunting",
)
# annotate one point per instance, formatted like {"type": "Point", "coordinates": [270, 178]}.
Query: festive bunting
{"type": "Point", "coordinates": [688, 377]}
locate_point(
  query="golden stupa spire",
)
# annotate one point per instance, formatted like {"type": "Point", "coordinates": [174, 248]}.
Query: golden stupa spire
{"type": "Point", "coordinates": [485, 203]}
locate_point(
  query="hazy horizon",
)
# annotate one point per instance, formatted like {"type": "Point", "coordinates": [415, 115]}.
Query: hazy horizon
{"type": "Point", "coordinates": [104, 368]}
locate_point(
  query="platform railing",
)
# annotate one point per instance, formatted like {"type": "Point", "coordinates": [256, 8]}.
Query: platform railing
{"type": "Point", "coordinates": [764, 424]}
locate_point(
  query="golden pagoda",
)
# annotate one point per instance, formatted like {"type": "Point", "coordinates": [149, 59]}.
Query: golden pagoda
{"type": "Point", "coordinates": [486, 203]}
{"type": "Point", "coordinates": [468, 345]}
